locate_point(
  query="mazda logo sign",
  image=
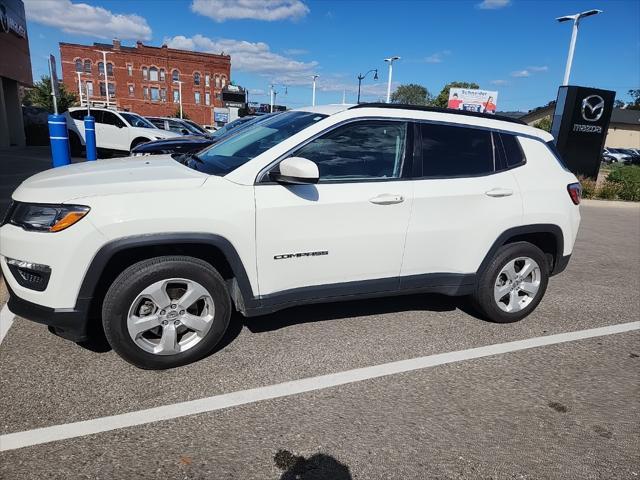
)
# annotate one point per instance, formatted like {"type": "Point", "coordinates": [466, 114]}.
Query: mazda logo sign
{"type": "Point", "coordinates": [592, 108]}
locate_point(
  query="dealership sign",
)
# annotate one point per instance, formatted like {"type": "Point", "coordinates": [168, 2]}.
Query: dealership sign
{"type": "Point", "coordinates": [474, 100]}
{"type": "Point", "coordinates": [10, 24]}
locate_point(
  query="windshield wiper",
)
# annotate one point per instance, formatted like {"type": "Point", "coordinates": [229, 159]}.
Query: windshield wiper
{"type": "Point", "coordinates": [184, 158]}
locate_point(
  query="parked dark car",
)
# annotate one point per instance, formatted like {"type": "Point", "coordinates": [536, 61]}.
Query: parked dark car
{"type": "Point", "coordinates": [195, 143]}
{"type": "Point", "coordinates": [178, 125]}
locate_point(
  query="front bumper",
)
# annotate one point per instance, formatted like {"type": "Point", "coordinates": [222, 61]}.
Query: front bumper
{"type": "Point", "coordinates": [69, 323]}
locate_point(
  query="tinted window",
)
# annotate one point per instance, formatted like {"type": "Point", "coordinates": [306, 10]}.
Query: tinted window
{"type": "Point", "coordinates": [78, 114]}
{"type": "Point", "coordinates": [373, 149]}
{"type": "Point", "coordinates": [513, 150]}
{"type": "Point", "coordinates": [450, 151]}
{"type": "Point", "coordinates": [110, 119]}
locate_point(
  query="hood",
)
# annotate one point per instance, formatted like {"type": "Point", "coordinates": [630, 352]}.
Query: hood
{"type": "Point", "coordinates": [108, 177]}
{"type": "Point", "coordinates": [172, 143]}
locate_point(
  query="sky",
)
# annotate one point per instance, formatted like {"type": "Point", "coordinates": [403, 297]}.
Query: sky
{"type": "Point", "coordinates": [513, 46]}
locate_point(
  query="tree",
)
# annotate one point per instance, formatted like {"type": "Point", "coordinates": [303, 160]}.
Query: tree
{"type": "Point", "coordinates": [40, 96]}
{"type": "Point", "coordinates": [543, 124]}
{"type": "Point", "coordinates": [635, 95]}
{"type": "Point", "coordinates": [618, 103]}
{"type": "Point", "coordinates": [176, 114]}
{"type": "Point", "coordinates": [443, 98]}
{"type": "Point", "coordinates": [411, 94]}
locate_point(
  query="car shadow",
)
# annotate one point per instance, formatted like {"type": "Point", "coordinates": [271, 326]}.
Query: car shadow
{"type": "Point", "coordinates": [319, 466]}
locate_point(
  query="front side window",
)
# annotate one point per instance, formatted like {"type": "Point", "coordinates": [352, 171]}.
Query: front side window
{"type": "Point", "coordinates": [136, 120]}
{"type": "Point", "coordinates": [87, 66]}
{"type": "Point", "coordinates": [452, 151]}
{"type": "Point", "coordinates": [110, 118]}
{"type": "Point", "coordinates": [236, 150]}
{"type": "Point", "coordinates": [153, 74]}
{"type": "Point", "coordinates": [361, 150]}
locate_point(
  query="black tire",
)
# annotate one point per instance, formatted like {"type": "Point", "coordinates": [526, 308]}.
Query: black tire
{"type": "Point", "coordinates": [75, 146]}
{"type": "Point", "coordinates": [138, 141]}
{"type": "Point", "coordinates": [483, 297]}
{"type": "Point", "coordinates": [135, 279]}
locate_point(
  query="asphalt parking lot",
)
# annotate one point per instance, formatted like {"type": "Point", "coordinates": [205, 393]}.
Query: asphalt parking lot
{"type": "Point", "coordinates": [565, 410]}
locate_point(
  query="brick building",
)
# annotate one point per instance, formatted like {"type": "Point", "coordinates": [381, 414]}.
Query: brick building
{"type": "Point", "coordinates": [143, 79]}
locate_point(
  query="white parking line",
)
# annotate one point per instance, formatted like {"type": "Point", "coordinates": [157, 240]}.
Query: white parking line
{"type": "Point", "coordinates": [38, 436]}
{"type": "Point", "coordinates": [6, 320]}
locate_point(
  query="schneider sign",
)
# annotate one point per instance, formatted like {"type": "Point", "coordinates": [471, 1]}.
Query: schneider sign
{"type": "Point", "coordinates": [580, 124]}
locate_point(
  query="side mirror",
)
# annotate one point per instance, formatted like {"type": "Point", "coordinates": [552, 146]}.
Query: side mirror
{"type": "Point", "coordinates": [296, 171]}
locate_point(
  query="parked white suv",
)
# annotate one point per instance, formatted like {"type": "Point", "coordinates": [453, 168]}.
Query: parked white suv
{"type": "Point", "coordinates": [115, 130]}
{"type": "Point", "coordinates": [319, 204]}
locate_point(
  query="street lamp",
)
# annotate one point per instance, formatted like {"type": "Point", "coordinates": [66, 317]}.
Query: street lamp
{"type": "Point", "coordinates": [104, 70]}
{"type": "Point", "coordinates": [313, 94]}
{"type": "Point", "coordinates": [390, 60]}
{"type": "Point", "coordinates": [574, 35]}
{"type": "Point", "coordinates": [273, 93]}
{"type": "Point", "coordinates": [361, 77]}
{"type": "Point", "coordinates": [179, 82]}
{"type": "Point", "coordinates": [80, 87]}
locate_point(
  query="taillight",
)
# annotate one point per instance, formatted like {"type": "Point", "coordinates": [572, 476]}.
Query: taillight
{"type": "Point", "coordinates": [575, 192]}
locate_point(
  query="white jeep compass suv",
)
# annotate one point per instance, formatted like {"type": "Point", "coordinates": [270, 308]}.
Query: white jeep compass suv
{"type": "Point", "coordinates": [115, 130]}
{"type": "Point", "coordinates": [318, 204]}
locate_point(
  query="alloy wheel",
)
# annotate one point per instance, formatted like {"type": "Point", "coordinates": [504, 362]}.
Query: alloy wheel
{"type": "Point", "coordinates": [517, 284]}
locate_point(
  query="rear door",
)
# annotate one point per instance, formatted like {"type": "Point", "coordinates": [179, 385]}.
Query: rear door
{"type": "Point", "coordinates": [111, 131]}
{"type": "Point", "coordinates": [464, 198]}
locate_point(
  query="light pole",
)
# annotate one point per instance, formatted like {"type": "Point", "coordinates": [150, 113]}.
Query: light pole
{"type": "Point", "coordinates": [104, 70]}
{"type": "Point", "coordinates": [313, 94]}
{"type": "Point", "coordinates": [179, 82]}
{"type": "Point", "coordinates": [274, 93]}
{"type": "Point", "coordinates": [574, 35]}
{"type": "Point", "coordinates": [80, 87]}
{"type": "Point", "coordinates": [362, 77]}
{"type": "Point", "coordinates": [390, 60]}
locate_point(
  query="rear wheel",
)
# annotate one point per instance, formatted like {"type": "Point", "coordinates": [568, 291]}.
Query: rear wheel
{"type": "Point", "coordinates": [166, 312]}
{"type": "Point", "coordinates": [513, 284]}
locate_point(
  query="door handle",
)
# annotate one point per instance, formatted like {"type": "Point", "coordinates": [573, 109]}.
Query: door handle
{"type": "Point", "coordinates": [499, 192]}
{"type": "Point", "coordinates": [387, 199]}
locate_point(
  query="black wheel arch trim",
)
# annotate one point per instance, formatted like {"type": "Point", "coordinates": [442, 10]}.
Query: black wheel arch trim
{"type": "Point", "coordinates": [559, 262]}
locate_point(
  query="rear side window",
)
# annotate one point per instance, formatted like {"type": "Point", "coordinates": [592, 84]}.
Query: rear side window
{"type": "Point", "coordinates": [513, 151]}
{"type": "Point", "coordinates": [452, 151]}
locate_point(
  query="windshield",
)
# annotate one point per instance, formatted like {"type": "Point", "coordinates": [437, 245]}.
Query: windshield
{"type": "Point", "coordinates": [227, 155]}
{"type": "Point", "coordinates": [231, 125]}
{"type": "Point", "coordinates": [136, 120]}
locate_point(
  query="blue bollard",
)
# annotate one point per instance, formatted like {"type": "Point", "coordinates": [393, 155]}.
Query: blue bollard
{"type": "Point", "coordinates": [90, 137]}
{"type": "Point", "coordinates": [59, 140]}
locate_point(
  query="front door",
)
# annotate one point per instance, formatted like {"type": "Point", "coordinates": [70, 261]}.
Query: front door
{"type": "Point", "coordinates": [345, 234]}
{"type": "Point", "coordinates": [111, 131]}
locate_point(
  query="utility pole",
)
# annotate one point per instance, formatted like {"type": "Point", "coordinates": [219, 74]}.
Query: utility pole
{"type": "Point", "coordinates": [390, 60]}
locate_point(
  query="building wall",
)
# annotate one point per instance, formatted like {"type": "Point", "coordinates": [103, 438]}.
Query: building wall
{"type": "Point", "coordinates": [623, 136]}
{"type": "Point", "coordinates": [128, 64]}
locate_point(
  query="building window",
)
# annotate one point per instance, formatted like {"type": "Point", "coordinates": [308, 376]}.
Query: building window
{"type": "Point", "coordinates": [112, 89]}
{"type": "Point", "coordinates": [207, 80]}
{"type": "Point", "coordinates": [217, 81]}
{"type": "Point", "coordinates": [89, 88]}
{"type": "Point", "coordinates": [145, 73]}
{"type": "Point", "coordinates": [162, 75]}
{"type": "Point", "coordinates": [197, 97]}
{"type": "Point", "coordinates": [100, 68]}
{"type": "Point", "coordinates": [87, 66]}
{"type": "Point", "coordinates": [224, 81]}
{"type": "Point", "coordinates": [176, 96]}
{"type": "Point", "coordinates": [103, 90]}
{"type": "Point", "coordinates": [78, 65]}
{"type": "Point", "coordinates": [129, 69]}
{"type": "Point", "coordinates": [155, 94]}
{"type": "Point", "coordinates": [131, 90]}
{"type": "Point", "coordinates": [145, 93]}
{"type": "Point", "coordinates": [153, 74]}
{"type": "Point", "coordinates": [207, 98]}
{"type": "Point", "coordinates": [110, 69]}
{"type": "Point", "coordinates": [175, 76]}
{"type": "Point", "coordinates": [163, 94]}
{"type": "Point", "coordinates": [196, 78]}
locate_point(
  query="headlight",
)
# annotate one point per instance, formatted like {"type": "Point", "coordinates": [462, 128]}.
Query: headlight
{"type": "Point", "coordinates": [42, 217]}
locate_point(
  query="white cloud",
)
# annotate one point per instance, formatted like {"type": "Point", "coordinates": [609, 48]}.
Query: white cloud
{"type": "Point", "coordinates": [83, 19]}
{"type": "Point", "coordinates": [437, 57]}
{"type": "Point", "coordinates": [527, 72]}
{"type": "Point", "coordinates": [268, 10]}
{"type": "Point", "coordinates": [521, 73]}
{"type": "Point", "coordinates": [542, 68]}
{"type": "Point", "coordinates": [252, 57]}
{"type": "Point", "coordinates": [493, 4]}
{"type": "Point", "coordinates": [499, 82]}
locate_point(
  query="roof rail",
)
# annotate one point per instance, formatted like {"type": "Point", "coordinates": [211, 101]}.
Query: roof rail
{"type": "Point", "coordinates": [401, 106]}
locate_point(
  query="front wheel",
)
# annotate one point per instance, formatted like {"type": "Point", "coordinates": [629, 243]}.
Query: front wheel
{"type": "Point", "coordinates": [513, 284]}
{"type": "Point", "coordinates": [166, 312]}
